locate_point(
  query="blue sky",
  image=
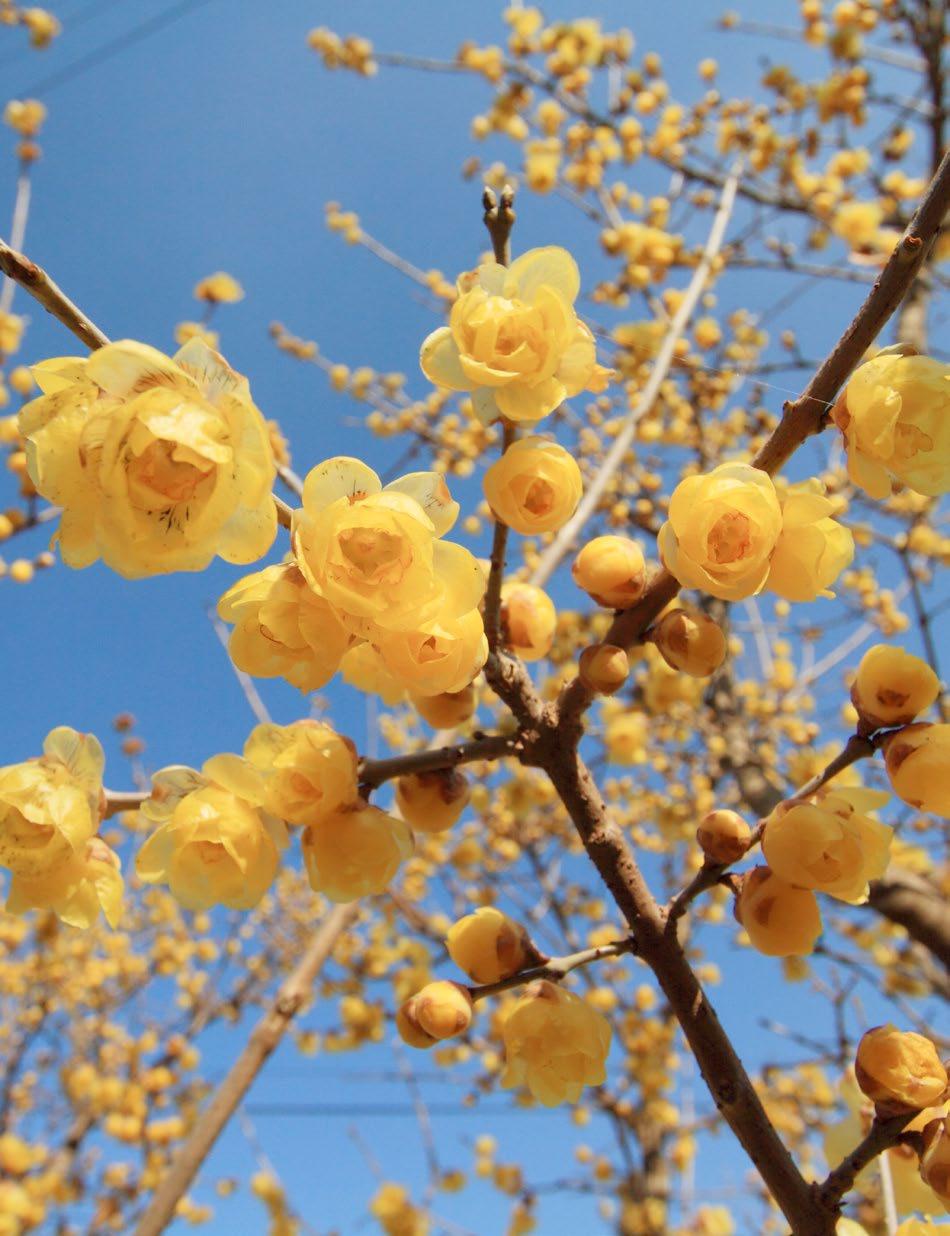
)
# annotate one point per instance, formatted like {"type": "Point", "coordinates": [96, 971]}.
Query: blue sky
{"type": "Point", "coordinates": [213, 144]}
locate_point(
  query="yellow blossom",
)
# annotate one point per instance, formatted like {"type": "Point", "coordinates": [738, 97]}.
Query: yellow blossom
{"type": "Point", "coordinates": [446, 711]}
{"type": "Point", "coordinates": [603, 668]}
{"type": "Point", "coordinates": [25, 116]}
{"type": "Point", "coordinates": [489, 946]}
{"type": "Point", "coordinates": [935, 1160]}
{"type": "Point", "coordinates": [396, 1214]}
{"type": "Point", "coordinates": [625, 738]}
{"type": "Point", "coordinates": [11, 332]}
{"type": "Point", "coordinates": [812, 549]}
{"type": "Point", "coordinates": [443, 656]}
{"type": "Point", "coordinates": [89, 881]}
{"type": "Point", "coordinates": [611, 570]}
{"type": "Point", "coordinates": [690, 641]}
{"type": "Point", "coordinates": [308, 769]}
{"type": "Point", "coordinates": [895, 417]}
{"type": "Point", "coordinates": [529, 620]}
{"type": "Point", "coordinates": [215, 843]}
{"type": "Point", "coordinates": [555, 1044]}
{"type": "Point", "coordinates": [723, 836]}
{"type": "Point", "coordinates": [282, 629]}
{"type": "Point", "coordinates": [722, 529]}
{"type": "Point", "coordinates": [831, 844]}
{"type": "Point", "coordinates": [158, 464]}
{"type": "Point", "coordinates": [917, 759]}
{"type": "Point", "coordinates": [899, 1070]}
{"type": "Point", "coordinates": [514, 340]}
{"type": "Point", "coordinates": [780, 920]}
{"type": "Point", "coordinates": [219, 288]}
{"type": "Point", "coordinates": [355, 852]}
{"type": "Point", "coordinates": [441, 1010]}
{"type": "Point", "coordinates": [432, 802]}
{"type": "Point", "coordinates": [892, 687]}
{"type": "Point", "coordinates": [535, 486]}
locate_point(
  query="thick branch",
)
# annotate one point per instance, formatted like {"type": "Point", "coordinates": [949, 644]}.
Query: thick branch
{"type": "Point", "coordinates": [372, 773]}
{"type": "Point", "coordinates": [265, 1037]}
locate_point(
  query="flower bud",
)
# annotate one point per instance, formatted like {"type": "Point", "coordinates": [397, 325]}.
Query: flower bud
{"type": "Point", "coordinates": [528, 619]}
{"type": "Point", "coordinates": [690, 641]}
{"type": "Point", "coordinates": [431, 802]}
{"type": "Point", "coordinates": [604, 668]}
{"type": "Point", "coordinates": [892, 687]}
{"type": "Point", "coordinates": [899, 1071]}
{"type": "Point", "coordinates": [489, 946]}
{"type": "Point", "coordinates": [781, 921]}
{"type": "Point", "coordinates": [441, 1010]}
{"type": "Point", "coordinates": [611, 570]}
{"type": "Point", "coordinates": [446, 711]}
{"type": "Point", "coordinates": [535, 486]}
{"type": "Point", "coordinates": [723, 836]}
{"type": "Point", "coordinates": [918, 765]}
{"type": "Point", "coordinates": [935, 1160]}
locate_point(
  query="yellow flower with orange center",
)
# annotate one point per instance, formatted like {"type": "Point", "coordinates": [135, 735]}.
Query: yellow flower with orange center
{"type": "Point", "coordinates": [514, 340]}
{"type": "Point", "coordinates": [158, 464]}
{"type": "Point", "coordinates": [308, 769]}
{"type": "Point", "coordinates": [535, 486]}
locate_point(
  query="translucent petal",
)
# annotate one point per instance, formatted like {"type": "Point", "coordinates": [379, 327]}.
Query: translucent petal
{"type": "Point", "coordinates": [439, 359]}
{"type": "Point", "coordinates": [550, 266]}
{"type": "Point", "coordinates": [58, 374]}
{"type": "Point", "coordinates": [126, 367]}
{"type": "Point", "coordinates": [340, 477]}
{"type": "Point", "coordinates": [431, 492]}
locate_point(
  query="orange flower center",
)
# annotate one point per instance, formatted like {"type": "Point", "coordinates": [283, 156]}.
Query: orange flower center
{"type": "Point", "coordinates": [539, 499]}
{"type": "Point", "coordinates": [730, 538]}
{"type": "Point", "coordinates": [157, 470]}
{"type": "Point", "coordinates": [369, 551]}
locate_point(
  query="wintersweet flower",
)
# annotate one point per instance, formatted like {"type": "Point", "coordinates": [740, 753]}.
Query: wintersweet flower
{"type": "Point", "coordinates": [355, 852]}
{"type": "Point", "coordinates": [892, 687]}
{"type": "Point", "coordinates": [376, 555]}
{"type": "Point", "coordinates": [215, 844]}
{"type": "Point", "coordinates": [555, 1044]}
{"type": "Point", "coordinates": [282, 629]}
{"type": "Point", "coordinates": [308, 769]}
{"type": "Point", "coordinates": [780, 920]}
{"type": "Point", "coordinates": [431, 802]}
{"type": "Point", "coordinates": [529, 620]}
{"type": "Point", "coordinates": [441, 1010]}
{"type": "Point", "coordinates": [723, 836]}
{"type": "Point", "coordinates": [603, 668]}
{"type": "Point", "coordinates": [489, 946]}
{"type": "Point", "coordinates": [535, 486]}
{"type": "Point", "coordinates": [722, 529]}
{"type": "Point", "coordinates": [899, 1070]}
{"type": "Point", "coordinates": [50, 806]}
{"type": "Point", "coordinates": [158, 464]}
{"type": "Point", "coordinates": [895, 418]}
{"type": "Point", "coordinates": [219, 288]}
{"type": "Point", "coordinates": [77, 890]}
{"type": "Point", "coordinates": [690, 641]}
{"type": "Point", "coordinates": [363, 668]}
{"type": "Point", "coordinates": [25, 116]}
{"type": "Point", "coordinates": [514, 340]}
{"type": "Point", "coordinates": [611, 570]}
{"type": "Point", "coordinates": [812, 548]}
{"type": "Point", "coordinates": [443, 656]}
{"type": "Point", "coordinates": [831, 844]}
{"type": "Point", "coordinates": [446, 711]}
{"type": "Point", "coordinates": [917, 759]}
{"type": "Point", "coordinates": [935, 1160]}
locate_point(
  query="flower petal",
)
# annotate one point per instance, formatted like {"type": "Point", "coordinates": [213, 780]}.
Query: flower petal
{"type": "Point", "coordinates": [439, 359]}
{"type": "Point", "coordinates": [551, 266]}
{"type": "Point", "coordinates": [340, 477]}
{"type": "Point", "coordinates": [431, 492]}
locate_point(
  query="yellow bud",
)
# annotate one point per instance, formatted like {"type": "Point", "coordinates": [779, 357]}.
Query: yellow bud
{"type": "Point", "coordinates": [604, 668]}
{"type": "Point", "coordinates": [891, 687]}
{"type": "Point", "coordinates": [611, 570]}
{"type": "Point", "coordinates": [432, 801]}
{"type": "Point", "coordinates": [489, 946]}
{"type": "Point", "coordinates": [899, 1071]}
{"type": "Point", "coordinates": [448, 710]}
{"type": "Point", "coordinates": [219, 288]}
{"type": "Point", "coordinates": [535, 486]}
{"type": "Point", "coordinates": [528, 619]}
{"type": "Point", "coordinates": [723, 836]}
{"type": "Point", "coordinates": [690, 641]}
{"type": "Point", "coordinates": [21, 571]}
{"type": "Point", "coordinates": [441, 1010]}
{"type": "Point", "coordinates": [935, 1160]}
{"type": "Point", "coordinates": [917, 759]}
{"type": "Point", "coordinates": [781, 921]}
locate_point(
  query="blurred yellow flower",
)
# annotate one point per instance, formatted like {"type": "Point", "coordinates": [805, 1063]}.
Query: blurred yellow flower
{"type": "Point", "coordinates": [555, 1044]}
{"type": "Point", "coordinates": [76, 891]}
{"type": "Point", "coordinates": [219, 289]}
{"type": "Point", "coordinates": [812, 548]}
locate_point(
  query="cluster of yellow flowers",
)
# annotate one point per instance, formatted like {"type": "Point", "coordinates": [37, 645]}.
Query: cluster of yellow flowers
{"type": "Point", "coordinates": [221, 831]}
{"type": "Point", "coordinates": [50, 808]}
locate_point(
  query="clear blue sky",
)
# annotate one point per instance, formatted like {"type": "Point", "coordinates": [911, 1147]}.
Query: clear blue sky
{"type": "Point", "coordinates": [213, 144]}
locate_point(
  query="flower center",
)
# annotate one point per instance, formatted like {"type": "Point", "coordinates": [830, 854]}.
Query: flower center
{"type": "Point", "coordinates": [730, 538]}
{"type": "Point", "coordinates": [539, 499]}
{"type": "Point", "coordinates": [369, 551]}
{"type": "Point", "coordinates": [157, 470]}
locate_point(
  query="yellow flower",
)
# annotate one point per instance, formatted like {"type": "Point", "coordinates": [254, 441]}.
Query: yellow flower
{"type": "Point", "coordinates": [625, 738]}
{"type": "Point", "coordinates": [42, 25]}
{"type": "Point", "coordinates": [444, 656]}
{"type": "Point", "coordinates": [25, 116]}
{"type": "Point", "coordinates": [690, 641]}
{"type": "Point", "coordinates": [363, 668]}
{"type": "Point", "coordinates": [446, 711]}
{"type": "Point", "coordinates": [489, 946]}
{"type": "Point", "coordinates": [535, 486]}
{"type": "Point", "coordinates": [529, 620]}
{"type": "Point", "coordinates": [158, 464]}
{"type": "Point", "coordinates": [376, 554]}
{"type": "Point", "coordinates": [432, 802]}
{"type": "Point", "coordinates": [858, 223]}
{"type": "Point", "coordinates": [895, 417]}
{"type": "Point", "coordinates": [917, 759]}
{"type": "Point", "coordinates": [780, 921]}
{"type": "Point", "coordinates": [611, 570]}
{"type": "Point", "coordinates": [441, 1010]}
{"type": "Point", "coordinates": [89, 881]}
{"type": "Point", "coordinates": [396, 1214]}
{"type": "Point", "coordinates": [723, 836]}
{"type": "Point", "coordinates": [308, 769]}
{"type": "Point", "coordinates": [812, 549]}
{"type": "Point", "coordinates": [514, 340]}
{"type": "Point", "coordinates": [831, 844]}
{"type": "Point", "coordinates": [899, 1071]}
{"type": "Point", "coordinates": [11, 332]}
{"type": "Point", "coordinates": [721, 532]}
{"type": "Point", "coordinates": [603, 668]}
{"type": "Point", "coordinates": [219, 289]}
{"type": "Point", "coordinates": [355, 852]}
{"type": "Point", "coordinates": [891, 687]}
{"type": "Point", "coordinates": [935, 1160]}
{"type": "Point", "coordinates": [282, 629]}
{"type": "Point", "coordinates": [215, 844]}
{"type": "Point", "coordinates": [50, 806]}
{"type": "Point", "coordinates": [555, 1044]}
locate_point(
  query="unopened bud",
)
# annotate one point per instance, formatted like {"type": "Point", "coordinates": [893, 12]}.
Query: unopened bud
{"type": "Point", "coordinates": [723, 836]}
{"type": "Point", "coordinates": [446, 711]}
{"type": "Point", "coordinates": [780, 921]}
{"type": "Point", "coordinates": [441, 1010]}
{"type": "Point", "coordinates": [604, 668]}
{"type": "Point", "coordinates": [489, 946]}
{"type": "Point", "coordinates": [431, 802]}
{"type": "Point", "coordinates": [917, 759]}
{"type": "Point", "coordinates": [611, 570]}
{"type": "Point", "coordinates": [892, 687]}
{"type": "Point", "coordinates": [899, 1071]}
{"type": "Point", "coordinates": [528, 619]}
{"type": "Point", "coordinates": [690, 641]}
{"type": "Point", "coordinates": [935, 1159]}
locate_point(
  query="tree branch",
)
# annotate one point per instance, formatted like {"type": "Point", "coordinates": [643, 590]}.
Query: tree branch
{"type": "Point", "coordinates": [37, 282]}
{"type": "Point", "coordinates": [372, 773]}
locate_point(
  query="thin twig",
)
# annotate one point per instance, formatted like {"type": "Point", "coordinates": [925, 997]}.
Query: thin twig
{"type": "Point", "coordinates": [555, 968]}
{"type": "Point", "coordinates": [37, 282]}
{"type": "Point", "coordinates": [372, 773]}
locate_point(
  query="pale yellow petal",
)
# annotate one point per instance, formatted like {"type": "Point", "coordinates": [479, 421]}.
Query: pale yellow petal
{"type": "Point", "coordinates": [340, 477]}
